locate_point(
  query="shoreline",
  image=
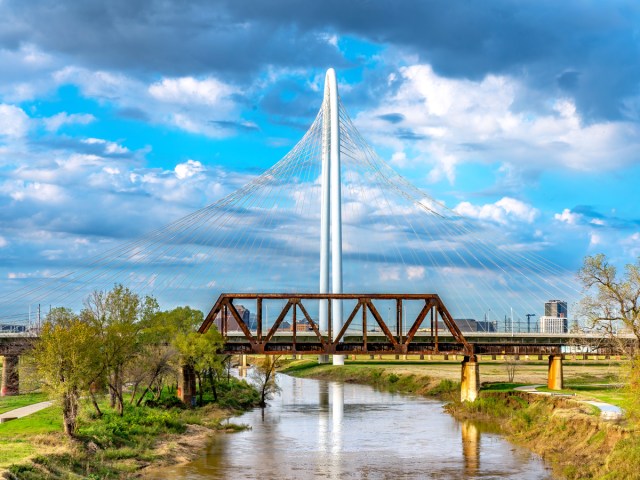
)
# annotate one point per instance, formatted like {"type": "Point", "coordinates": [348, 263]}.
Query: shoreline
{"type": "Point", "coordinates": [56, 456]}
{"type": "Point", "coordinates": [570, 436]}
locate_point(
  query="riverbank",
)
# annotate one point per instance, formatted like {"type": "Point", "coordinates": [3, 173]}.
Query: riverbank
{"type": "Point", "coordinates": [569, 435]}
{"type": "Point", "coordinates": [111, 446]}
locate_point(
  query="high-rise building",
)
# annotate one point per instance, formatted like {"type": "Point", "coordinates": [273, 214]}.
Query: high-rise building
{"type": "Point", "coordinates": [555, 308]}
{"type": "Point", "coordinates": [555, 318]}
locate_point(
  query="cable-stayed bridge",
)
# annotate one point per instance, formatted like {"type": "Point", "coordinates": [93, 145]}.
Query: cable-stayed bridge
{"type": "Point", "coordinates": [270, 234]}
{"type": "Point", "coordinates": [330, 217]}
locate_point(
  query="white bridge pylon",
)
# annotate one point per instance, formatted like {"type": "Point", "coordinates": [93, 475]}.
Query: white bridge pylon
{"type": "Point", "coordinates": [331, 211]}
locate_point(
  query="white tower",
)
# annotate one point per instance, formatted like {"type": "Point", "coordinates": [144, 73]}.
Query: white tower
{"type": "Point", "coordinates": [331, 210]}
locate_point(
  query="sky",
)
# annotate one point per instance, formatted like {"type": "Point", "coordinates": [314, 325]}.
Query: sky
{"type": "Point", "coordinates": [119, 117]}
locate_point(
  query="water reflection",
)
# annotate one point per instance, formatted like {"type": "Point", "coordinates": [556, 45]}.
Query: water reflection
{"type": "Point", "coordinates": [329, 430]}
{"type": "Point", "coordinates": [337, 414]}
{"type": "Point", "coordinates": [470, 448]}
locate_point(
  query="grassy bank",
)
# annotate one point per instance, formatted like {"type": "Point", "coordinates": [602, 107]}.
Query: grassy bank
{"type": "Point", "coordinates": [111, 446]}
{"type": "Point", "coordinates": [569, 435]}
{"type": "Point", "coordinates": [381, 375]}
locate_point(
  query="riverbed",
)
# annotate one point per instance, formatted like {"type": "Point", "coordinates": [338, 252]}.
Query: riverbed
{"type": "Point", "coordinates": [329, 430]}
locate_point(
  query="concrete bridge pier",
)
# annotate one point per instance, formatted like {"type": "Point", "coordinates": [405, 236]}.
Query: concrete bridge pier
{"type": "Point", "coordinates": [10, 378]}
{"type": "Point", "coordinates": [555, 380]}
{"type": "Point", "coordinates": [469, 379]}
{"type": "Point", "coordinates": [187, 385]}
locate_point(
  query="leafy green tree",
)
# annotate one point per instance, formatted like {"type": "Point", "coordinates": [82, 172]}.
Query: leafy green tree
{"type": "Point", "coordinates": [201, 351]}
{"type": "Point", "coordinates": [64, 360]}
{"type": "Point", "coordinates": [119, 317]}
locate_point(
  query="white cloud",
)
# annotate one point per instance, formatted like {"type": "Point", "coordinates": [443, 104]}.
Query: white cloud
{"type": "Point", "coordinates": [40, 192]}
{"type": "Point", "coordinates": [445, 122]}
{"type": "Point", "coordinates": [503, 211]}
{"type": "Point", "coordinates": [188, 169]}
{"type": "Point", "coordinates": [54, 123]}
{"type": "Point", "coordinates": [3, 242]}
{"type": "Point", "coordinates": [110, 148]}
{"type": "Point", "coordinates": [14, 122]}
{"type": "Point", "coordinates": [189, 90]}
{"type": "Point", "coordinates": [567, 216]}
{"type": "Point", "coordinates": [415, 273]}
{"type": "Point", "coordinates": [186, 103]}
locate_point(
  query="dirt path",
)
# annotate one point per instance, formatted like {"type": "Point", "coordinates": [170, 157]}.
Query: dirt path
{"type": "Point", "coordinates": [607, 410]}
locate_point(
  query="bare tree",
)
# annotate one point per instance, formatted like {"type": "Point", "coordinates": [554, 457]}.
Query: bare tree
{"type": "Point", "coordinates": [612, 305]}
{"type": "Point", "coordinates": [264, 378]}
{"type": "Point", "coordinates": [510, 365]}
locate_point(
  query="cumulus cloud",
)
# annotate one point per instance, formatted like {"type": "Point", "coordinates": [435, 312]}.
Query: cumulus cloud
{"type": "Point", "coordinates": [14, 122]}
{"type": "Point", "coordinates": [189, 90]}
{"type": "Point", "coordinates": [567, 216]}
{"type": "Point", "coordinates": [188, 169]}
{"type": "Point", "coordinates": [447, 121]}
{"type": "Point", "coordinates": [503, 211]}
{"type": "Point", "coordinates": [415, 273]}
{"type": "Point", "coordinates": [205, 106]}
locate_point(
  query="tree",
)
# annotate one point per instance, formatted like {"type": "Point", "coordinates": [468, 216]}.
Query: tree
{"type": "Point", "coordinates": [510, 366]}
{"type": "Point", "coordinates": [264, 378]}
{"type": "Point", "coordinates": [64, 360]}
{"type": "Point", "coordinates": [119, 317]}
{"type": "Point", "coordinates": [612, 304]}
{"type": "Point", "coordinates": [202, 352]}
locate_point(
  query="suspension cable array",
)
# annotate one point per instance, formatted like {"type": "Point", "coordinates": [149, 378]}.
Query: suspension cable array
{"type": "Point", "coordinates": [265, 236]}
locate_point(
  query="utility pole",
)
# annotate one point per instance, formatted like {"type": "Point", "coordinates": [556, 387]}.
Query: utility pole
{"type": "Point", "coordinates": [529, 315]}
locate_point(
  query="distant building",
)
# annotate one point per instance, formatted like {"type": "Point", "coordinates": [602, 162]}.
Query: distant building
{"type": "Point", "coordinates": [556, 309]}
{"type": "Point", "coordinates": [472, 325]}
{"type": "Point", "coordinates": [301, 327]}
{"type": "Point", "coordinates": [485, 326]}
{"type": "Point", "coordinates": [232, 324]}
{"type": "Point", "coordinates": [555, 318]}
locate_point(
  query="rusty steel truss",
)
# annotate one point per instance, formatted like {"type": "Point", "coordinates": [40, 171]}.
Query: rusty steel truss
{"type": "Point", "coordinates": [381, 339]}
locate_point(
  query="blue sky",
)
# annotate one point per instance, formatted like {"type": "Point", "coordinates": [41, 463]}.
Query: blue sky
{"type": "Point", "coordinates": [119, 117]}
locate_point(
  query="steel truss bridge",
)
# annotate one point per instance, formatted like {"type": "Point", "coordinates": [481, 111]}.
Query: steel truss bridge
{"type": "Point", "coordinates": [372, 335]}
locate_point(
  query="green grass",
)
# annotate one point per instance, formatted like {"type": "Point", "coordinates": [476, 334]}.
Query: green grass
{"type": "Point", "coordinates": [45, 421]}
{"type": "Point", "coordinates": [500, 386]}
{"type": "Point", "coordinates": [612, 394]}
{"type": "Point", "coordinates": [110, 447]}
{"type": "Point", "coordinates": [10, 403]}
{"type": "Point", "coordinates": [12, 451]}
{"type": "Point", "coordinates": [374, 373]}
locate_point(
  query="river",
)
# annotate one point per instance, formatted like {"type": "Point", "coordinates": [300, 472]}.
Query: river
{"type": "Point", "coordinates": [328, 430]}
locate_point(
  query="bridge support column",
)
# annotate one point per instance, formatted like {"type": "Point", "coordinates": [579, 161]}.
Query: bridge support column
{"type": "Point", "coordinates": [187, 385]}
{"type": "Point", "coordinates": [243, 361]}
{"type": "Point", "coordinates": [469, 379]}
{"type": "Point", "coordinates": [323, 359]}
{"type": "Point", "coordinates": [555, 380]}
{"type": "Point", "coordinates": [10, 377]}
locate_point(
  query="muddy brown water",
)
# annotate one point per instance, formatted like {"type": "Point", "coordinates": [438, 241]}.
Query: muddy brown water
{"type": "Point", "coordinates": [327, 430]}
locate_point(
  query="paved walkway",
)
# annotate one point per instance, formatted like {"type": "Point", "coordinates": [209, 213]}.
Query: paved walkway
{"type": "Point", "coordinates": [24, 411]}
{"type": "Point", "coordinates": [607, 410]}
